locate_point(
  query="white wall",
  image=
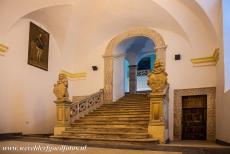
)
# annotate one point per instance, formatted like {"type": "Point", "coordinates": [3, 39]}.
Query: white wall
{"type": "Point", "coordinates": [182, 74]}
{"type": "Point", "coordinates": [223, 92]}
{"type": "Point", "coordinates": [26, 91]}
{"type": "Point", "coordinates": [226, 35]}
{"type": "Point", "coordinates": [118, 78]}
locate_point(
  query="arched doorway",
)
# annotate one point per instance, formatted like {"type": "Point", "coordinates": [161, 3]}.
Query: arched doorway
{"type": "Point", "coordinates": [109, 56]}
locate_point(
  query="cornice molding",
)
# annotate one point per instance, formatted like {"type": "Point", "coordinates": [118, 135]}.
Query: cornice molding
{"type": "Point", "coordinates": [81, 75]}
{"type": "Point", "coordinates": [3, 49]}
{"type": "Point", "coordinates": [207, 61]}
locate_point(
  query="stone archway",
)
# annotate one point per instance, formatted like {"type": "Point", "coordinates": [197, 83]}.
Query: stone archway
{"type": "Point", "coordinates": [160, 49]}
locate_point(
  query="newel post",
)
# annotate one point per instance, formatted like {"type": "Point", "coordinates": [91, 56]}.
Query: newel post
{"type": "Point", "coordinates": [158, 124]}
{"type": "Point", "coordinates": [62, 105]}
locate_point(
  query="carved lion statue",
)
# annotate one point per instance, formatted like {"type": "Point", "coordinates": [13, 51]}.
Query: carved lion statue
{"type": "Point", "coordinates": [61, 88]}
{"type": "Point", "coordinates": [157, 79]}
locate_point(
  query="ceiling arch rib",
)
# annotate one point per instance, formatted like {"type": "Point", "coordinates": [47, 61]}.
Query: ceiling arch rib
{"type": "Point", "coordinates": [201, 12]}
{"type": "Point", "coordinates": [190, 22]}
{"type": "Point", "coordinates": [56, 19]}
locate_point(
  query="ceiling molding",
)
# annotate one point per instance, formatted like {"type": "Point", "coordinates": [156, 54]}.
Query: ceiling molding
{"type": "Point", "coordinates": [207, 61]}
{"type": "Point", "coordinates": [81, 75]}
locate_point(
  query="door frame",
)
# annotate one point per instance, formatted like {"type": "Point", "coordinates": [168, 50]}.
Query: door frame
{"type": "Point", "coordinates": [211, 111]}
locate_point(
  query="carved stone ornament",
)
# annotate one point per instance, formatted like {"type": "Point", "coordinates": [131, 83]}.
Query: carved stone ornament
{"type": "Point", "coordinates": [61, 88]}
{"type": "Point", "coordinates": [157, 79]}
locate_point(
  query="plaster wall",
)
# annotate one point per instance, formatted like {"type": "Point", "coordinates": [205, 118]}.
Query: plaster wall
{"type": "Point", "coordinates": [223, 76]}
{"type": "Point", "coordinates": [181, 74]}
{"type": "Point", "coordinates": [26, 91]}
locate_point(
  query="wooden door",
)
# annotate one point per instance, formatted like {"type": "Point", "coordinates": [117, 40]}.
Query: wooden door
{"type": "Point", "coordinates": [194, 117]}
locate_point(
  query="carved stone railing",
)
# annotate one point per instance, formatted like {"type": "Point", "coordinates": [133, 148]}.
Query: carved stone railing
{"type": "Point", "coordinates": [143, 72]}
{"type": "Point", "coordinates": [80, 108]}
{"type": "Point", "coordinates": [68, 111]}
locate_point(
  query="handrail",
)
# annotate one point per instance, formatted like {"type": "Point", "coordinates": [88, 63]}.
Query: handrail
{"type": "Point", "coordinates": [143, 72]}
{"type": "Point", "coordinates": [80, 108]}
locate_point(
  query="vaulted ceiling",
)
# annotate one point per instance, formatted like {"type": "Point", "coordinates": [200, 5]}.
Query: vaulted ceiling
{"type": "Point", "coordinates": [98, 21]}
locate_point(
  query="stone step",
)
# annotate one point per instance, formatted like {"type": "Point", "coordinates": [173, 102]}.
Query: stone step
{"type": "Point", "coordinates": [135, 119]}
{"type": "Point", "coordinates": [113, 141]}
{"type": "Point", "coordinates": [134, 98]}
{"type": "Point", "coordinates": [125, 120]}
{"type": "Point", "coordinates": [111, 122]}
{"type": "Point", "coordinates": [114, 118]}
{"type": "Point", "coordinates": [124, 108]}
{"type": "Point", "coordinates": [125, 130]}
{"type": "Point", "coordinates": [119, 112]}
{"type": "Point", "coordinates": [107, 135]}
{"type": "Point", "coordinates": [133, 102]}
{"type": "Point", "coordinates": [120, 109]}
{"type": "Point", "coordinates": [125, 105]}
{"type": "Point", "coordinates": [128, 125]}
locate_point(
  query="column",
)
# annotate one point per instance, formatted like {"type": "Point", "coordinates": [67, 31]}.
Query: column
{"type": "Point", "coordinates": [132, 79]}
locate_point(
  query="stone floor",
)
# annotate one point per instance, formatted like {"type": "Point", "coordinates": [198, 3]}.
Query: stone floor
{"type": "Point", "coordinates": [99, 147]}
{"type": "Point", "coordinates": [88, 150]}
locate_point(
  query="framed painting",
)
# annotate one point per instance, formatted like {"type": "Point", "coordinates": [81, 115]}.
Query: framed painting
{"type": "Point", "coordinates": [38, 54]}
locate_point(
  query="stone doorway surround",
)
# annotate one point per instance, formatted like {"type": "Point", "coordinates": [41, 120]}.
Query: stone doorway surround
{"type": "Point", "coordinates": [160, 49]}
{"type": "Point", "coordinates": [211, 110]}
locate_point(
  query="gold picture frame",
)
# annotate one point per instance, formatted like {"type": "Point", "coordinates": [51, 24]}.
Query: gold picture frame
{"type": "Point", "coordinates": [38, 54]}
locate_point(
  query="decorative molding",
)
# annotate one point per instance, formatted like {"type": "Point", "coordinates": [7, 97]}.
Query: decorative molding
{"type": "Point", "coordinates": [74, 75]}
{"type": "Point", "coordinates": [207, 61]}
{"type": "Point", "coordinates": [161, 47]}
{"type": "Point", "coordinates": [210, 92]}
{"type": "Point", "coordinates": [3, 49]}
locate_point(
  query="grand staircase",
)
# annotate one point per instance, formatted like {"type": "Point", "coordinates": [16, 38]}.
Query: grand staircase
{"type": "Point", "coordinates": [125, 120]}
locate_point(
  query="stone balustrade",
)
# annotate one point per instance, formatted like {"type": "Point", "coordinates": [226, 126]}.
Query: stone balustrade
{"type": "Point", "coordinates": [68, 111]}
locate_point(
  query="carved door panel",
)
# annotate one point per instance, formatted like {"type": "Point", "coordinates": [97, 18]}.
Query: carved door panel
{"type": "Point", "coordinates": [194, 118]}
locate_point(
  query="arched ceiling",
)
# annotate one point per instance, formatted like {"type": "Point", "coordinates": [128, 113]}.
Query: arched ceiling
{"type": "Point", "coordinates": [97, 21]}
{"type": "Point", "coordinates": [139, 44]}
{"type": "Point", "coordinates": [59, 24]}
{"type": "Point", "coordinates": [135, 47]}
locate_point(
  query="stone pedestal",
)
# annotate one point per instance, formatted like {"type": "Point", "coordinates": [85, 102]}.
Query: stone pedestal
{"type": "Point", "coordinates": [132, 79]}
{"type": "Point", "coordinates": [158, 120]}
{"type": "Point", "coordinates": [62, 117]}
